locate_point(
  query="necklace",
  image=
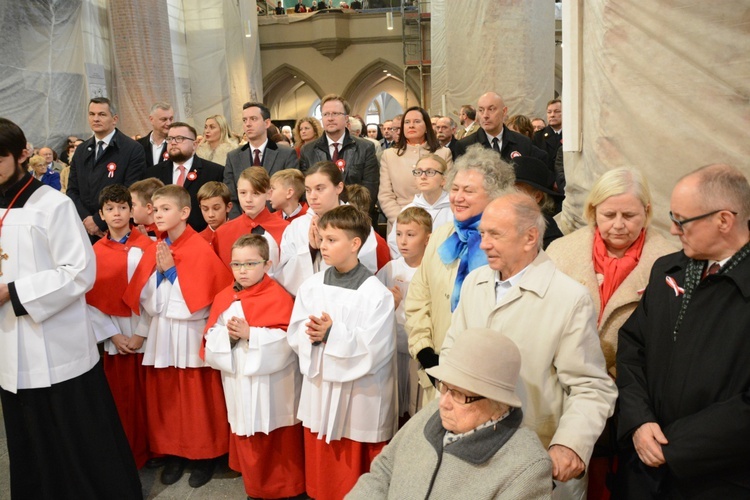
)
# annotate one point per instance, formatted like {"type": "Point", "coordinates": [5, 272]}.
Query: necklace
{"type": "Point", "coordinates": [3, 255]}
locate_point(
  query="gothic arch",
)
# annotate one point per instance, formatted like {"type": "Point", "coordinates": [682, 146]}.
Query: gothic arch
{"type": "Point", "coordinates": [373, 79]}
{"type": "Point", "coordinates": [284, 80]}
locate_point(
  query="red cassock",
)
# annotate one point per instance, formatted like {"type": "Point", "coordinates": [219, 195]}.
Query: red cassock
{"type": "Point", "coordinates": [124, 372]}
{"type": "Point", "coordinates": [185, 406]}
{"type": "Point", "coordinates": [226, 235]}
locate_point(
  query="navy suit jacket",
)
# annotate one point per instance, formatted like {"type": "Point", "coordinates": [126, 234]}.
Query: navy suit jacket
{"type": "Point", "coordinates": [513, 142]}
{"type": "Point", "coordinates": [204, 170]}
{"type": "Point", "coordinates": [88, 176]}
{"type": "Point", "coordinates": [275, 158]}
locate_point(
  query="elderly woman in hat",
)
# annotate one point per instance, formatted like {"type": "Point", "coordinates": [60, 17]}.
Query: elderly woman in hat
{"type": "Point", "coordinates": [469, 444]}
{"type": "Point", "coordinates": [534, 178]}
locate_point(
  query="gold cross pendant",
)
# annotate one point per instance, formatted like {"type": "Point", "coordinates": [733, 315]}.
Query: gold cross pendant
{"type": "Point", "coordinates": [3, 256]}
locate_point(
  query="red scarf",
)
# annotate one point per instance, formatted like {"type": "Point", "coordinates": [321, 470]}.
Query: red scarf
{"type": "Point", "coordinates": [112, 273]}
{"type": "Point", "coordinates": [265, 304]}
{"type": "Point", "coordinates": [227, 234]}
{"type": "Point", "coordinates": [614, 270]}
{"type": "Point", "coordinates": [202, 275]}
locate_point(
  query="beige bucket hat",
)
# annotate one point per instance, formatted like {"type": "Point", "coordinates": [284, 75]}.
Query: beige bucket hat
{"type": "Point", "coordinates": [482, 361]}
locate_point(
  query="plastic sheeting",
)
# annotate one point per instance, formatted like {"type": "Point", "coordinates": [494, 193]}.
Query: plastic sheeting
{"type": "Point", "coordinates": [42, 85]}
{"type": "Point", "coordinates": [507, 46]}
{"type": "Point", "coordinates": [665, 89]}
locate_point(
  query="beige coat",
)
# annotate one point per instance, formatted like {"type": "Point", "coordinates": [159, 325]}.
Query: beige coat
{"type": "Point", "coordinates": [573, 255]}
{"type": "Point", "coordinates": [566, 392]}
{"type": "Point", "coordinates": [428, 302]}
{"type": "Point", "coordinates": [397, 184]}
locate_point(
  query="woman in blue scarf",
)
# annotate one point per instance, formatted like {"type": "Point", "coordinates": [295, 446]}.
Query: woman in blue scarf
{"type": "Point", "coordinates": [477, 177]}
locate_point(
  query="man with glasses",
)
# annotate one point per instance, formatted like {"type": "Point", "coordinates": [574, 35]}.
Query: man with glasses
{"type": "Point", "coordinates": [109, 157]}
{"type": "Point", "coordinates": [682, 358]}
{"type": "Point", "coordinates": [567, 394]}
{"type": "Point", "coordinates": [354, 156]}
{"type": "Point", "coordinates": [186, 169]}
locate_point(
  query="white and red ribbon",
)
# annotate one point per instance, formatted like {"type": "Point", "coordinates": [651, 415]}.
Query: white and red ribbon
{"type": "Point", "coordinates": [111, 167]}
{"type": "Point", "coordinates": [678, 290]}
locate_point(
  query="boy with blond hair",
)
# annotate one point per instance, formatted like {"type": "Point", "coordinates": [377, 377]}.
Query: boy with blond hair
{"type": "Point", "coordinates": [123, 333]}
{"type": "Point", "coordinates": [246, 340]}
{"type": "Point", "coordinates": [143, 209]}
{"type": "Point", "coordinates": [253, 186]}
{"type": "Point", "coordinates": [214, 200]}
{"type": "Point", "coordinates": [287, 189]}
{"type": "Point", "coordinates": [342, 329]}
{"type": "Point", "coordinates": [176, 283]}
{"type": "Point", "coordinates": [413, 228]}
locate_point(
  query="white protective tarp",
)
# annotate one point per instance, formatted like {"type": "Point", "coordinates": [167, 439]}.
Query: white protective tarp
{"type": "Point", "coordinates": [665, 88]}
{"type": "Point", "coordinates": [507, 46]}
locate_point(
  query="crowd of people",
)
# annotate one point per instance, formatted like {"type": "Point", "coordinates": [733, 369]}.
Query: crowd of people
{"type": "Point", "coordinates": [247, 305]}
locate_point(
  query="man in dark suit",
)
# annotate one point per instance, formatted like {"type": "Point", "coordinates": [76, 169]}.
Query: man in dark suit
{"type": "Point", "coordinates": [258, 152]}
{"type": "Point", "coordinates": [493, 134]}
{"type": "Point", "coordinates": [354, 156]}
{"type": "Point", "coordinates": [549, 138]}
{"type": "Point", "coordinates": [445, 129]}
{"type": "Point", "coordinates": [187, 170]}
{"type": "Point", "coordinates": [154, 145]}
{"type": "Point", "coordinates": [109, 157]}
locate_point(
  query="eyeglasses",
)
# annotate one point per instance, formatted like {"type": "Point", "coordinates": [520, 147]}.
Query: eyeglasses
{"type": "Point", "coordinates": [393, 129]}
{"type": "Point", "coordinates": [430, 172]}
{"type": "Point", "coordinates": [333, 114]}
{"type": "Point", "coordinates": [681, 223]}
{"type": "Point", "coordinates": [238, 266]}
{"type": "Point", "coordinates": [178, 139]}
{"type": "Point", "coordinates": [457, 396]}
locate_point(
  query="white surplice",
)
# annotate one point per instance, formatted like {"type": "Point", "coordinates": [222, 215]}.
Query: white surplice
{"type": "Point", "coordinates": [296, 264]}
{"type": "Point", "coordinates": [260, 375]}
{"type": "Point", "coordinates": [440, 211]}
{"type": "Point", "coordinates": [52, 265]}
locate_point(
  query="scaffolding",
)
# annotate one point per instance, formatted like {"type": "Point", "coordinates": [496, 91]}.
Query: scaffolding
{"type": "Point", "coordinates": [415, 36]}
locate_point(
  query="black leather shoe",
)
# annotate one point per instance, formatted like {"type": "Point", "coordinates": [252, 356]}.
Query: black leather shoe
{"type": "Point", "coordinates": [155, 463]}
{"type": "Point", "coordinates": [173, 469]}
{"type": "Point", "coordinates": [203, 471]}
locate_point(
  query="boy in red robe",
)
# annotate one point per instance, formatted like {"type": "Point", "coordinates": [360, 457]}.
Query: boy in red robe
{"type": "Point", "coordinates": [123, 333]}
{"type": "Point", "coordinates": [143, 209]}
{"type": "Point", "coordinates": [246, 340]}
{"type": "Point", "coordinates": [252, 192]}
{"type": "Point", "coordinates": [176, 284]}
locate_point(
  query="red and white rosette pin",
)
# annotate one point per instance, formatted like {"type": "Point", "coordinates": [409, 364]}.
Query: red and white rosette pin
{"type": "Point", "coordinates": [192, 175]}
{"type": "Point", "coordinates": [515, 154]}
{"type": "Point", "coordinates": [111, 167]}
{"type": "Point", "coordinates": [165, 156]}
{"type": "Point", "coordinates": [341, 164]}
{"type": "Point", "coordinates": [678, 290]}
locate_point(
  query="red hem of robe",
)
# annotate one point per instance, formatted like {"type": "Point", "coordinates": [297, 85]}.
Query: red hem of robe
{"type": "Point", "coordinates": [272, 465]}
{"type": "Point", "coordinates": [187, 415]}
{"type": "Point", "coordinates": [332, 469]}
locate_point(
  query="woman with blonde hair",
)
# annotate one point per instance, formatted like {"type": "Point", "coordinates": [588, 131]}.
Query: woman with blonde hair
{"type": "Point", "coordinates": [306, 130]}
{"type": "Point", "coordinates": [218, 140]}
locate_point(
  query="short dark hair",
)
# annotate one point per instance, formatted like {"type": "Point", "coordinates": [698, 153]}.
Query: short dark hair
{"type": "Point", "coordinates": [264, 111]}
{"type": "Point", "coordinates": [253, 241]}
{"type": "Point", "coordinates": [430, 138]}
{"type": "Point", "coordinates": [354, 222]}
{"type": "Point", "coordinates": [469, 111]}
{"type": "Point", "coordinates": [186, 125]}
{"type": "Point", "coordinates": [12, 139]}
{"type": "Point", "coordinates": [104, 100]}
{"type": "Point", "coordinates": [116, 193]}
{"type": "Point", "coordinates": [331, 171]}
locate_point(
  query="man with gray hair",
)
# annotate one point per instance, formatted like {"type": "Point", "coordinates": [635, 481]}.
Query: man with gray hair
{"type": "Point", "coordinates": [682, 356]}
{"type": "Point", "coordinates": [452, 252]}
{"type": "Point", "coordinates": [567, 394]}
{"type": "Point", "coordinates": [445, 129]}
{"type": "Point", "coordinates": [154, 143]}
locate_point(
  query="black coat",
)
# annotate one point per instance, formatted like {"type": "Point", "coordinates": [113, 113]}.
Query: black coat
{"type": "Point", "coordinates": [204, 170]}
{"type": "Point", "coordinates": [145, 142]}
{"type": "Point", "coordinates": [88, 177]}
{"type": "Point", "coordinates": [548, 141]}
{"type": "Point", "coordinates": [359, 154]}
{"type": "Point", "coordinates": [513, 142]}
{"type": "Point", "coordinates": [697, 387]}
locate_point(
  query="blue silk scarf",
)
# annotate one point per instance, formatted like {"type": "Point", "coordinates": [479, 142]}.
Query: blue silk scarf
{"type": "Point", "coordinates": [463, 244]}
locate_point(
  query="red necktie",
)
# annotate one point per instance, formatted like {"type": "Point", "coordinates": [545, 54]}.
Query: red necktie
{"type": "Point", "coordinates": [181, 178]}
{"type": "Point", "coordinates": [335, 151]}
{"type": "Point", "coordinates": [713, 269]}
{"type": "Point", "coordinates": [256, 160]}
